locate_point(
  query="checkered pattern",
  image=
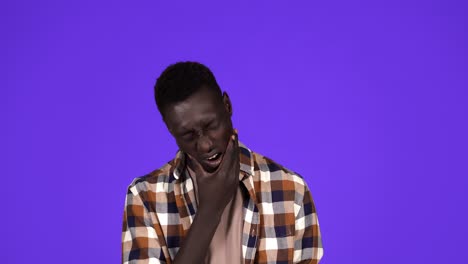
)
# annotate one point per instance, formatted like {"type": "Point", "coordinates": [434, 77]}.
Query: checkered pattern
{"type": "Point", "coordinates": [280, 221]}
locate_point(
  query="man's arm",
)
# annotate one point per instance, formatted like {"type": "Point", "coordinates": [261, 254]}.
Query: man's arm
{"type": "Point", "coordinates": [197, 242]}
{"type": "Point", "coordinates": [307, 239]}
{"type": "Point", "coordinates": [140, 239]}
{"type": "Point", "coordinates": [140, 242]}
{"type": "Point", "coordinates": [215, 190]}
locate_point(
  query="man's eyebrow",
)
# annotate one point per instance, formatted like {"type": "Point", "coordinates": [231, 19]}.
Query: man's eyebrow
{"type": "Point", "coordinates": [209, 120]}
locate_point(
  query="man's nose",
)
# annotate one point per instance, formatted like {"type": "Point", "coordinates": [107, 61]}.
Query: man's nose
{"type": "Point", "coordinates": [204, 144]}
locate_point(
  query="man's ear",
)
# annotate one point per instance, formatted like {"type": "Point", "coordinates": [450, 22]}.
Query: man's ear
{"type": "Point", "coordinates": [227, 103]}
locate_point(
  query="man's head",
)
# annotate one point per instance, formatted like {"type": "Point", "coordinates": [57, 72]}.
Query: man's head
{"type": "Point", "coordinates": [195, 111]}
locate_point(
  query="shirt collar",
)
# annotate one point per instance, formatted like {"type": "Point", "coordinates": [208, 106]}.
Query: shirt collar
{"type": "Point", "coordinates": [245, 160]}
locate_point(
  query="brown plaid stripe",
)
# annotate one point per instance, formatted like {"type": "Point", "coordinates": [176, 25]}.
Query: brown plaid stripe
{"type": "Point", "coordinates": [280, 220]}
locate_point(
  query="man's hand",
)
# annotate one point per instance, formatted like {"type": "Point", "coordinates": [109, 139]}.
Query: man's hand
{"type": "Point", "coordinates": [216, 189]}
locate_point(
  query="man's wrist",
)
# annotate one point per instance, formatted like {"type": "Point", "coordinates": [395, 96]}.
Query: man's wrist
{"type": "Point", "coordinates": [209, 214]}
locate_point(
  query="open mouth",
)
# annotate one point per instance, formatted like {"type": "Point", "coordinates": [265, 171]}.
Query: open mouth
{"type": "Point", "coordinates": [214, 157]}
{"type": "Point", "coordinates": [213, 161]}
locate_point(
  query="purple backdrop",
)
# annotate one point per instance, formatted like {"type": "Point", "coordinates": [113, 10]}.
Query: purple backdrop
{"type": "Point", "coordinates": [367, 100]}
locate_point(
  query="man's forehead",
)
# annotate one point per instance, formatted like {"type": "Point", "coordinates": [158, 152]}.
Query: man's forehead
{"type": "Point", "coordinates": [199, 107]}
{"type": "Point", "coordinates": [188, 118]}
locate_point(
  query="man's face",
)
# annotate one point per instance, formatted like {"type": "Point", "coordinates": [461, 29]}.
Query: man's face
{"type": "Point", "coordinates": [201, 126]}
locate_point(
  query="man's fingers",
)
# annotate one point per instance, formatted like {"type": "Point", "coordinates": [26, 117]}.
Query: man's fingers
{"type": "Point", "coordinates": [236, 140]}
{"type": "Point", "coordinates": [231, 143]}
{"type": "Point", "coordinates": [234, 134]}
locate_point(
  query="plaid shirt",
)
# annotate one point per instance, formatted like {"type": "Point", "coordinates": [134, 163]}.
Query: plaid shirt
{"type": "Point", "coordinates": [280, 221]}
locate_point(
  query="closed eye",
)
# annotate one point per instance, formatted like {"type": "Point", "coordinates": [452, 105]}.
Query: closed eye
{"type": "Point", "coordinates": [212, 125]}
{"type": "Point", "coordinates": [187, 135]}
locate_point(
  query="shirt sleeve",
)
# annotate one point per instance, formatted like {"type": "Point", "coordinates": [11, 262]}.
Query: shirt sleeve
{"type": "Point", "coordinates": [140, 243]}
{"type": "Point", "coordinates": [307, 238]}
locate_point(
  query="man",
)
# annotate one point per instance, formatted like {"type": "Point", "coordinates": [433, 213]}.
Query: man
{"type": "Point", "coordinates": [217, 201]}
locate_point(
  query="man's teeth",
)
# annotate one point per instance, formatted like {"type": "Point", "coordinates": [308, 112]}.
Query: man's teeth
{"type": "Point", "coordinates": [213, 157]}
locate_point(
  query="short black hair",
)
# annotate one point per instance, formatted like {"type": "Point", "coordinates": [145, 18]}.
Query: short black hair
{"type": "Point", "coordinates": [180, 80]}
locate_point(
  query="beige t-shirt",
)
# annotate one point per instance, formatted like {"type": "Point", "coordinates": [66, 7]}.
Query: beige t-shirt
{"type": "Point", "coordinates": [225, 247]}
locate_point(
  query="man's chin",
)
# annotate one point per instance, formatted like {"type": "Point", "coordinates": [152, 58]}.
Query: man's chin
{"type": "Point", "coordinates": [210, 169]}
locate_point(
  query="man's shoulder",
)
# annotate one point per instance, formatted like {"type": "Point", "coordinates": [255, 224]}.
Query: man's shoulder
{"type": "Point", "coordinates": [273, 182]}
{"type": "Point", "coordinates": [268, 170]}
{"type": "Point", "coordinates": [155, 180]}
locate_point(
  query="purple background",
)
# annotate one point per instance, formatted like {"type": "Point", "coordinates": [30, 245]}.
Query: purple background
{"type": "Point", "coordinates": [366, 99]}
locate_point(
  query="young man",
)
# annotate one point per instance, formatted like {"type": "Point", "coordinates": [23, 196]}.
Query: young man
{"type": "Point", "coordinates": [217, 201]}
